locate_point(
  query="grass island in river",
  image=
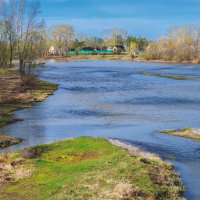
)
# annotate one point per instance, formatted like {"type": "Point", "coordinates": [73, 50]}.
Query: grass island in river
{"type": "Point", "coordinates": [87, 168]}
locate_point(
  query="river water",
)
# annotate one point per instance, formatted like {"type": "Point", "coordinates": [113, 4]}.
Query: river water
{"type": "Point", "coordinates": [111, 99]}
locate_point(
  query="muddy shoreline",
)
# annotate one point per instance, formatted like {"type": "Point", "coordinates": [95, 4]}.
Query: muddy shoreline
{"type": "Point", "coordinates": [6, 141]}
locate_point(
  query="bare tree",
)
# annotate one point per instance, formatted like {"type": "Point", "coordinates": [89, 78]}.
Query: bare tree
{"type": "Point", "coordinates": [21, 32]}
{"type": "Point", "coordinates": [7, 33]}
{"type": "Point", "coordinates": [181, 44]}
{"type": "Point", "coordinates": [114, 36]}
{"type": "Point", "coordinates": [62, 37]}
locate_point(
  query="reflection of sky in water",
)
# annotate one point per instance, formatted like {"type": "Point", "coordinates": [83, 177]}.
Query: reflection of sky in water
{"type": "Point", "coordinates": [110, 99]}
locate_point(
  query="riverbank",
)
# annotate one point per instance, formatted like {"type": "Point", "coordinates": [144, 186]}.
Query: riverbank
{"type": "Point", "coordinates": [141, 59]}
{"type": "Point", "coordinates": [13, 96]}
{"type": "Point", "coordinates": [87, 168]}
{"type": "Point", "coordinates": [6, 141]}
{"type": "Point", "coordinates": [122, 56]}
{"type": "Point", "coordinates": [191, 133]}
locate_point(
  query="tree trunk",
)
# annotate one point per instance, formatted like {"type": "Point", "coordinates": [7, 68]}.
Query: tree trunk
{"type": "Point", "coordinates": [11, 56]}
{"type": "Point", "coordinates": [21, 69]}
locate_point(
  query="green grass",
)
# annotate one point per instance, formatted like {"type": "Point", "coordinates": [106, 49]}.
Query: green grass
{"type": "Point", "coordinates": [90, 168]}
{"type": "Point", "coordinates": [6, 119]}
{"type": "Point", "coordinates": [178, 77]}
{"type": "Point", "coordinates": [184, 132]}
{"type": "Point", "coordinates": [43, 89]}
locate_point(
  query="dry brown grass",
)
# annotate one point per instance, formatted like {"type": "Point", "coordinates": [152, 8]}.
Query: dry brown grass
{"type": "Point", "coordinates": [12, 170]}
{"type": "Point", "coordinates": [126, 191]}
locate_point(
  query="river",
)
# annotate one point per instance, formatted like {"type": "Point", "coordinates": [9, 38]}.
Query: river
{"type": "Point", "coordinates": [111, 99]}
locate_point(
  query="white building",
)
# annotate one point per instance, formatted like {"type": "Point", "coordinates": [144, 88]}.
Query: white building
{"type": "Point", "coordinates": [52, 51]}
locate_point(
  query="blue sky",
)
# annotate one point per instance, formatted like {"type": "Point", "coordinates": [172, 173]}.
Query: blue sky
{"type": "Point", "coordinates": [149, 18]}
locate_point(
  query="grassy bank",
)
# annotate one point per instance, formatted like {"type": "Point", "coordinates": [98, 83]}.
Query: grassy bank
{"type": "Point", "coordinates": [122, 56]}
{"type": "Point", "coordinates": [184, 132]}
{"type": "Point", "coordinates": [14, 96]}
{"type": "Point", "coordinates": [24, 99]}
{"type": "Point", "coordinates": [178, 77]}
{"type": "Point", "coordinates": [143, 59]}
{"type": "Point", "coordinates": [86, 168]}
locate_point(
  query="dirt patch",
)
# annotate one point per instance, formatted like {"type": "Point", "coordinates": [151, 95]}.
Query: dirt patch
{"type": "Point", "coordinates": [12, 170]}
{"type": "Point", "coordinates": [29, 153]}
{"type": "Point", "coordinates": [10, 86]}
{"type": "Point", "coordinates": [33, 152]}
{"type": "Point", "coordinates": [126, 191]}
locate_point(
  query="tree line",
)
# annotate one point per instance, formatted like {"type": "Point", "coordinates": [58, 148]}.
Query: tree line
{"type": "Point", "coordinates": [21, 34]}
{"type": "Point", "coordinates": [63, 37]}
{"type": "Point", "coordinates": [181, 44]}
{"type": "Point", "coordinates": [24, 37]}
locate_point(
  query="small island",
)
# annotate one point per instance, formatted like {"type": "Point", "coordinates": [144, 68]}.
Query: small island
{"type": "Point", "coordinates": [172, 76]}
{"type": "Point", "coordinates": [191, 133]}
